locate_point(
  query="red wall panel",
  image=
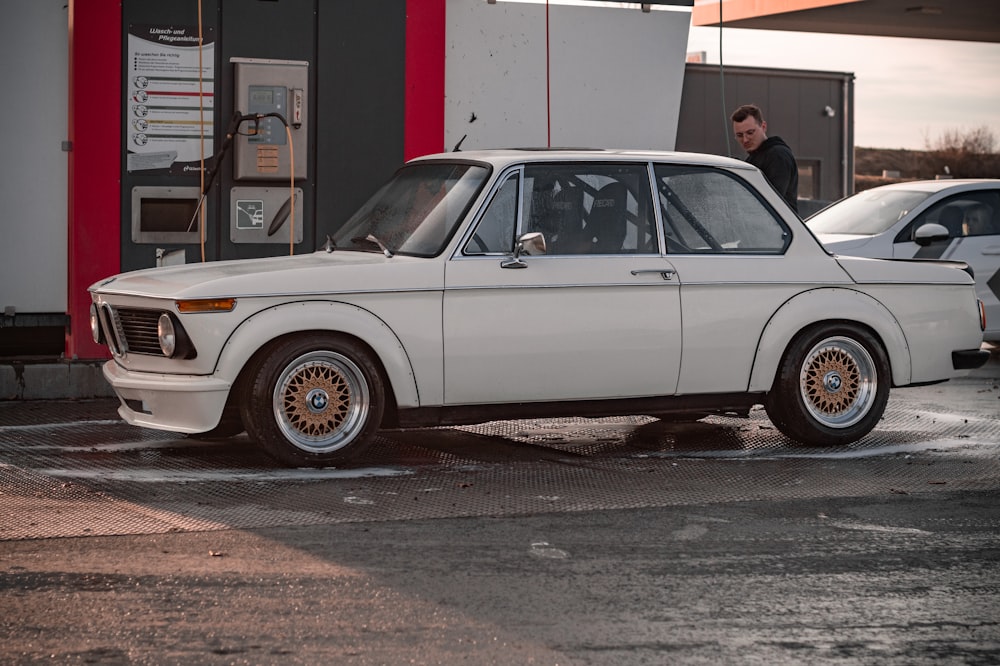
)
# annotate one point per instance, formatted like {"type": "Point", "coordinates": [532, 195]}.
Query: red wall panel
{"type": "Point", "coordinates": [425, 46]}
{"type": "Point", "coordinates": [95, 47]}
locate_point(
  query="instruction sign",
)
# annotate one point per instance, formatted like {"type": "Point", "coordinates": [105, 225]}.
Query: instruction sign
{"type": "Point", "coordinates": [250, 214]}
{"type": "Point", "coordinates": [169, 107]}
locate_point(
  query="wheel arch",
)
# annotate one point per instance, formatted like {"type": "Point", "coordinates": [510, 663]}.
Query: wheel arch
{"type": "Point", "coordinates": [268, 327]}
{"type": "Point", "coordinates": [812, 308]}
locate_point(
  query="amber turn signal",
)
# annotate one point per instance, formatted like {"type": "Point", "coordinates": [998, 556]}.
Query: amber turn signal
{"type": "Point", "coordinates": [206, 305]}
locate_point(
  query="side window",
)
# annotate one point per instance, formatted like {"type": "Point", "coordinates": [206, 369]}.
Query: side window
{"type": "Point", "coordinates": [711, 211]}
{"type": "Point", "coordinates": [967, 214]}
{"type": "Point", "coordinates": [590, 208]}
{"type": "Point", "coordinates": [949, 213]}
{"type": "Point", "coordinates": [495, 233]}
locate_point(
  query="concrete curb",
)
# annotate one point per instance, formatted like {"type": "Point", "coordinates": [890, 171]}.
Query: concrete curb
{"type": "Point", "coordinates": [53, 380]}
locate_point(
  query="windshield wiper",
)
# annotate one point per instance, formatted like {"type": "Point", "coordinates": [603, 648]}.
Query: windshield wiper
{"type": "Point", "coordinates": [370, 239]}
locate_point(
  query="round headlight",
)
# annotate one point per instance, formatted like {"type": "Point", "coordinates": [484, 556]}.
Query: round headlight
{"type": "Point", "coordinates": [167, 336]}
{"type": "Point", "coordinates": [95, 324]}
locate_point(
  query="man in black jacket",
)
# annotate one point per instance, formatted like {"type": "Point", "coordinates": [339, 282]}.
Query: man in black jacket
{"type": "Point", "coordinates": [770, 155]}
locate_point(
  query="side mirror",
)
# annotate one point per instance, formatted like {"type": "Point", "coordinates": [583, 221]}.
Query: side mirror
{"type": "Point", "coordinates": [531, 243]}
{"type": "Point", "coordinates": [929, 233]}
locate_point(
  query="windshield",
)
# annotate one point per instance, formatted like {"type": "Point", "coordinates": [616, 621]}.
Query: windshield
{"type": "Point", "coordinates": [416, 212]}
{"type": "Point", "coordinates": [867, 213]}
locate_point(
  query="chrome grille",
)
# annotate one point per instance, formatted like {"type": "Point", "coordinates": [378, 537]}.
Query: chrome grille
{"type": "Point", "coordinates": [136, 330]}
{"type": "Point", "coordinates": [112, 331]}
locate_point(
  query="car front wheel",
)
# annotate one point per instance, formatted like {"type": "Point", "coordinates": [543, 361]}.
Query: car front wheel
{"type": "Point", "coordinates": [832, 386]}
{"type": "Point", "coordinates": [314, 400]}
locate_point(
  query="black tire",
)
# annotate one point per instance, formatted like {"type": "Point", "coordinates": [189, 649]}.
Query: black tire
{"type": "Point", "coordinates": [314, 400]}
{"type": "Point", "coordinates": [832, 386]}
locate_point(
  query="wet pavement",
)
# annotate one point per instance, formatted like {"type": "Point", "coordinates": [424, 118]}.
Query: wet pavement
{"type": "Point", "coordinates": [74, 468]}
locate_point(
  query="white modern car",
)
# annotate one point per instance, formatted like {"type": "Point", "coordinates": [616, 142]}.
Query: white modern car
{"type": "Point", "coordinates": [490, 285]}
{"type": "Point", "coordinates": [958, 220]}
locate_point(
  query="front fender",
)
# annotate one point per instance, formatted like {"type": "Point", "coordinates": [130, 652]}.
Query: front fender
{"type": "Point", "coordinates": [816, 305]}
{"type": "Point", "coordinates": [266, 325]}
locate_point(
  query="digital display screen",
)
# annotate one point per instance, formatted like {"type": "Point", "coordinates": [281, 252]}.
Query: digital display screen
{"type": "Point", "coordinates": [261, 96]}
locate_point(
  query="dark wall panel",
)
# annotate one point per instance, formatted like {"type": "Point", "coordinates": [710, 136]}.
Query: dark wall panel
{"type": "Point", "coordinates": [140, 13]}
{"type": "Point", "coordinates": [276, 30]}
{"type": "Point", "coordinates": [356, 50]}
{"type": "Point", "coordinates": [361, 102]}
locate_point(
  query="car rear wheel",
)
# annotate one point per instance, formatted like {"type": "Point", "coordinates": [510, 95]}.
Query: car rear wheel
{"type": "Point", "coordinates": [315, 400]}
{"type": "Point", "coordinates": [832, 386]}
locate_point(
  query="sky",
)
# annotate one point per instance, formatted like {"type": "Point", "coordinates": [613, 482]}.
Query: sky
{"type": "Point", "coordinates": [907, 92]}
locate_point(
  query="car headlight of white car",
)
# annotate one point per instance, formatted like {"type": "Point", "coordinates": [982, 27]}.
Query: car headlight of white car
{"type": "Point", "coordinates": [173, 340]}
{"type": "Point", "coordinates": [166, 332]}
{"type": "Point", "coordinates": [95, 325]}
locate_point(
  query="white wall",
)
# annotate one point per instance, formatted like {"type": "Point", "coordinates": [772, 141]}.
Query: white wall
{"type": "Point", "coordinates": [615, 75]}
{"type": "Point", "coordinates": [33, 181]}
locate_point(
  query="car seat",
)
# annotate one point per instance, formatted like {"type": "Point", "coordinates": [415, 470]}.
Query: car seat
{"type": "Point", "coordinates": [567, 221]}
{"type": "Point", "coordinates": [606, 224]}
{"type": "Point", "coordinates": [950, 218]}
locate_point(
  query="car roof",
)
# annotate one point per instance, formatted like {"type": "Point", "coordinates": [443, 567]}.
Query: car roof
{"type": "Point", "coordinates": [500, 158]}
{"type": "Point", "coordinates": [957, 184]}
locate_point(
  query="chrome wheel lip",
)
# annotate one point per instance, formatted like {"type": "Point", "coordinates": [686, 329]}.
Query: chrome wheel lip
{"type": "Point", "coordinates": [838, 382]}
{"type": "Point", "coordinates": [321, 401]}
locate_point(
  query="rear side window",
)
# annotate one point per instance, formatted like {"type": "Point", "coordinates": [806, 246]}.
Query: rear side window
{"type": "Point", "coordinates": [710, 211]}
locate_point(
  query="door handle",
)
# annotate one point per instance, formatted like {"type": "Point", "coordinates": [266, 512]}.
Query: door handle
{"type": "Point", "coordinates": [665, 273]}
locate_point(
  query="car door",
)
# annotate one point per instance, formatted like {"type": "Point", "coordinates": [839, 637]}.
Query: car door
{"type": "Point", "coordinates": [595, 317]}
{"type": "Point", "coordinates": [973, 220]}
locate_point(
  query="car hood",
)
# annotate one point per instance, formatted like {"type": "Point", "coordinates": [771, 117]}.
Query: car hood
{"type": "Point", "coordinates": [837, 243]}
{"type": "Point", "coordinates": [319, 272]}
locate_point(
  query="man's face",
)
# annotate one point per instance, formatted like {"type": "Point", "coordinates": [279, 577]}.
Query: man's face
{"type": "Point", "coordinates": [750, 133]}
{"type": "Point", "coordinates": [977, 221]}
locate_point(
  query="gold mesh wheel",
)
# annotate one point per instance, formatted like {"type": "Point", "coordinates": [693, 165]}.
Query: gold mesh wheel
{"type": "Point", "coordinates": [320, 401]}
{"type": "Point", "coordinates": [838, 382]}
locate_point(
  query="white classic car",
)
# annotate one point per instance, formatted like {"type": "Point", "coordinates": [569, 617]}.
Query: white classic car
{"type": "Point", "coordinates": [494, 285]}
